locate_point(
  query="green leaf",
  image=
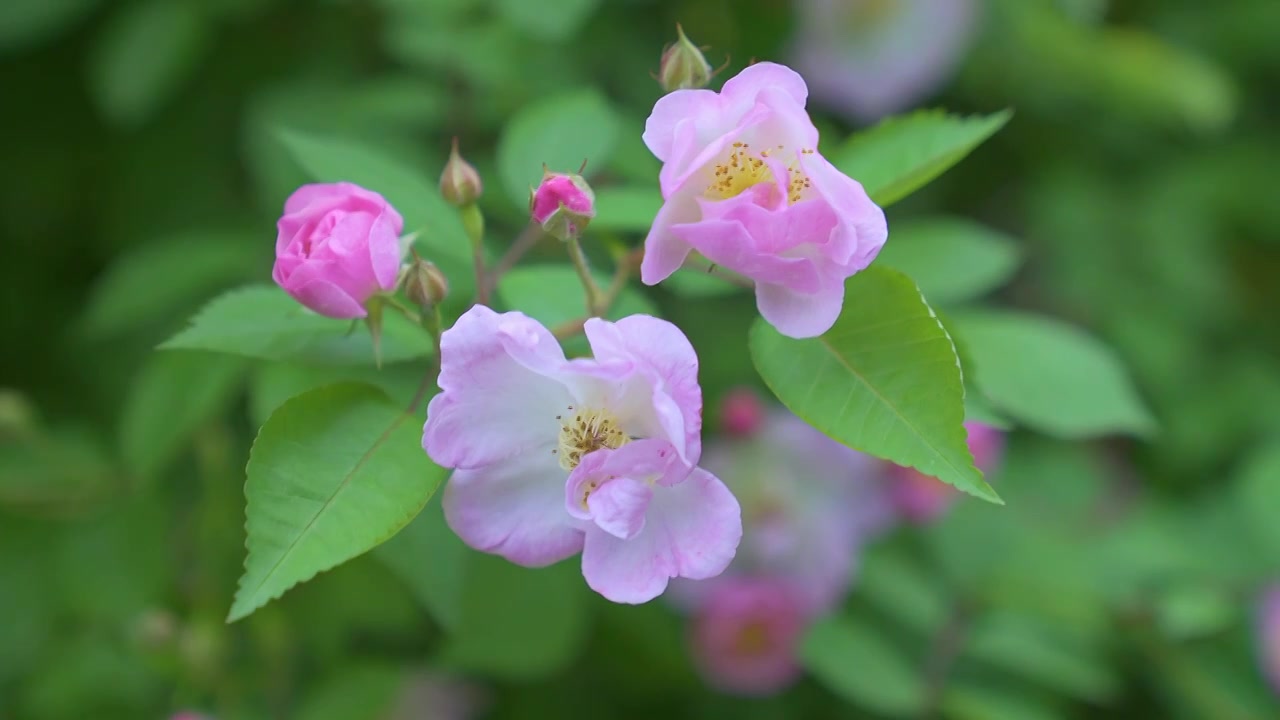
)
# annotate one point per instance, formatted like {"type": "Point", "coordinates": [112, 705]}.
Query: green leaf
{"type": "Point", "coordinates": [903, 153]}
{"type": "Point", "coordinates": [859, 664]}
{"type": "Point", "coordinates": [884, 380]}
{"type": "Point", "coordinates": [519, 623]}
{"type": "Point", "coordinates": [951, 259]}
{"type": "Point", "coordinates": [334, 472]}
{"type": "Point", "coordinates": [173, 395]}
{"type": "Point", "coordinates": [561, 132]}
{"type": "Point", "coordinates": [1258, 490]}
{"type": "Point", "coordinates": [626, 208]}
{"type": "Point", "coordinates": [149, 283]}
{"type": "Point", "coordinates": [552, 295]}
{"type": "Point", "coordinates": [1050, 375]}
{"type": "Point", "coordinates": [274, 383]}
{"type": "Point", "coordinates": [430, 559]}
{"type": "Point", "coordinates": [551, 21]}
{"type": "Point", "coordinates": [143, 55]}
{"type": "Point", "coordinates": [263, 322]}
{"type": "Point", "coordinates": [1034, 649]}
{"type": "Point", "coordinates": [414, 195]}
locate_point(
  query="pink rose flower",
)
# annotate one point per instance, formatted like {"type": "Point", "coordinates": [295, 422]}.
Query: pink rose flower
{"type": "Point", "coordinates": [745, 637]}
{"type": "Point", "coordinates": [337, 245]}
{"type": "Point", "coordinates": [745, 186]}
{"type": "Point", "coordinates": [808, 506]}
{"type": "Point", "coordinates": [597, 455]}
{"type": "Point", "coordinates": [921, 498]}
{"type": "Point", "coordinates": [1269, 635]}
{"type": "Point", "coordinates": [869, 58]}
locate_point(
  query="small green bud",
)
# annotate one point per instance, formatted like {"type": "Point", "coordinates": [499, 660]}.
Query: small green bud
{"type": "Point", "coordinates": [460, 183]}
{"type": "Point", "coordinates": [424, 283]}
{"type": "Point", "coordinates": [683, 65]}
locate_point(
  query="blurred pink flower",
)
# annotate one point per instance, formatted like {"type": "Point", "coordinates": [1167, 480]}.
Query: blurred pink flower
{"type": "Point", "coordinates": [741, 413]}
{"type": "Point", "coordinates": [745, 186]}
{"type": "Point", "coordinates": [1269, 635]}
{"type": "Point", "coordinates": [745, 636]}
{"type": "Point", "coordinates": [336, 246]}
{"type": "Point", "coordinates": [921, 498]}
{"type": "Point", "coordinates": [597, 455]}
{"type": "Point", "coordinates": [435, 696]}
{"type": "Point", "coordinates": [870, 58]}
{"type": "Point", "coordinates": [808, 503]}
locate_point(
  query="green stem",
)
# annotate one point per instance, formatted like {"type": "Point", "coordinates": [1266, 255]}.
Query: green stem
{"type": "Point", "coordinates": [473, 223]}
{"type": "Point", "coordinates": [594, 295]}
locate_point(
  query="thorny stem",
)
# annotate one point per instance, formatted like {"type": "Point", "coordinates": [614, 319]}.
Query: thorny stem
{"type": "Point", "coordinates": [435, 326]}
{"type": "Point", "coordinates": [523, 244]}
{"type": "Point", "coordinates": [473, 222]}
{"type": "Point", "coordinates": [594, 296]}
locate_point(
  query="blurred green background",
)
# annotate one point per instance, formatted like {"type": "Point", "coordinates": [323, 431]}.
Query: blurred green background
{"type": "Point", "coordinates": [148, 147]}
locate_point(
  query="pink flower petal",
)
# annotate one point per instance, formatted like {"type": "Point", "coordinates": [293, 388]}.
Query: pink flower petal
{"type": "Point", "coordinates": [801, 315]}
{"type": "Point", "coordinates": [618, 506]}
{"type": "Point", "coordinates": [764, 76]}
{"type": "Point", "coordinates": [514, 509]}
{"type": "Point", "coordinates": [692, 530]}
{"type": "Point", "coordinates": [663, 352]}
{"type": "Point", "coordinates": [502, 391]}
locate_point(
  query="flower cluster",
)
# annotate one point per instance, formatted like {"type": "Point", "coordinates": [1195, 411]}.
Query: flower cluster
{"type": "Point", "coordinates": [600, 455]}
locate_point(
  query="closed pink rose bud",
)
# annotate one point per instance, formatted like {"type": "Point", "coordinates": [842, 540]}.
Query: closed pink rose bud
{"type": "Point", "coordinates": [741, 413]}
{"type": "Point", "coordinates": [337, 245]}
{"type": "Point", "coordinates": [921, 498]}
{"type": "Point", "coordinates": [745, 636]}
{"type": "Point", "coordinates": [563, 204]}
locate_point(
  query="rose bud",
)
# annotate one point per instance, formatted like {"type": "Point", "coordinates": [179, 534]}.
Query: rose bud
{"type": "Point", "coordinates": [683, 65]}
{"type": "Point", "coordinates": [460, 183]}
{"type": "Point", "coordinates": [563, 205]}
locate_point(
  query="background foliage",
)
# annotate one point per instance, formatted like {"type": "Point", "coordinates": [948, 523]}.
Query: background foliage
{"type": "Point", "coordinates": [150, 144]}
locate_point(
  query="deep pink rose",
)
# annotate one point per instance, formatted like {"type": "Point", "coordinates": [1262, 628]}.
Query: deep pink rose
{"type": "Point", "coordinates": [336, 245]}
{"type": "Point", "coordinates": [745, 186]}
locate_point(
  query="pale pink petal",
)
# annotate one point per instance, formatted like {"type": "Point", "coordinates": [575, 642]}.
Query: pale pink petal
{"type": "Point", "coordinates": [641, 460]}
{"type": "Point", "coordinates": [800, 315]}
{"type": "Point", "coordinates": [664, 253]}
{"type": "Point", "coordinates": [672, 110]}
{"type": "Point", "coordinates": [754, 79]}
{"type": "Point", "coordinates": [665, 357]}
{"type": "Point", "coordinates": [862, 229]}
{"type": "Point", "coordinates": [501, 391]}
{"type": "Point", "coordinates": [618, 506]}
{"type": "Point", "coordinates": [692, 530]}
{"type": "Point", "coordinates": [1268, 629]}
{"type": "Point", "coordinates": [515, 509]}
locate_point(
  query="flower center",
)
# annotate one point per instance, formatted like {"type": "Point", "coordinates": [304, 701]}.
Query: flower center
{"type": "Point", "coordinates": [746, 168]}
{"type": "Point", "coordinates": [587, 431]}
{"type": "Point", "coordinates": [752, 639]}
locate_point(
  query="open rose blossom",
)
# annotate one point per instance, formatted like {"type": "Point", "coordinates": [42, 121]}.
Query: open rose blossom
{"type": "Point", "coordinates": [336, 246]}
{"type": "Point", "coordinates": [745, 636]}
{"type": "Point", "coordinates": [921, 498]}
{"type": "Point", "coordinates": [745, 186]}
{"type": "Point", "coordinates": [597, 455]}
